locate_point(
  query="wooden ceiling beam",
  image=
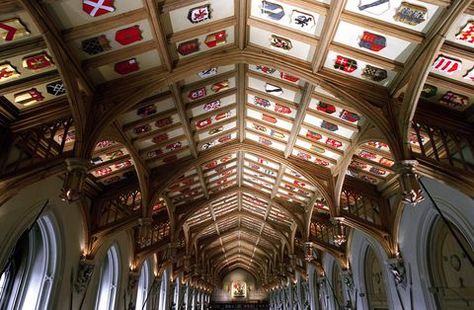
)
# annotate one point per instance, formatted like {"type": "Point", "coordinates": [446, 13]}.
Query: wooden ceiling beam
{"type": "Point", "coordinates": [180, 107]}
{"type": "Point", "coordinates": [418, 67]}
{"type": "Point", "coordinates": [103, 25]}
{"type": "Point", "coordinates": [75, 80]}
{"type": "Point", "coordinates": [327, 33]}
{"type": "Point", "coordinates": [299, 118]}
{"type": "Point", "coordinates": [427, 50]}
{"type": "Point", "coordinates": [158, 33]}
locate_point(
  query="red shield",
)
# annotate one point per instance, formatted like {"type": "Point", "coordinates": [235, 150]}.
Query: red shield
{"type": "Point", "coordinates": [126, 66]}
{"type": "Point", "coordinates": [128, 35]}
{"type": "Point", "coordinates": [98, 7]}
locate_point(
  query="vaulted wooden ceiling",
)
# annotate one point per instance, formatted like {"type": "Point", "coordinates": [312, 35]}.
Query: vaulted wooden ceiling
{"type": "Point", "coordinates": [235, 125]}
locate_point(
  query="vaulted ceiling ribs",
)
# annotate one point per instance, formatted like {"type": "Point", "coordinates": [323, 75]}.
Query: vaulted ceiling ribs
{"type": "Point", "coordinates": [235, 121]}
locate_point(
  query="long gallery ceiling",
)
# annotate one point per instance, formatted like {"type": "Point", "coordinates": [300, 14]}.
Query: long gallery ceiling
{"type": "Point", "coordinates": [262, 148]}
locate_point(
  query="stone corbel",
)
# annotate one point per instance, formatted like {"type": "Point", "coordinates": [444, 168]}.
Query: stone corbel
{"type": "Point", "coordinates": [412, 193]}
{"type": "Point", "coordinates": [398, 270]}
{"type": "Point", "coordinates": [77, 169]}
{"type": "Point", "coordinates": [347, 279]}
{"type": "Point", "coordinates": [133, 277]}
{"type": "Point", "coordinates": [84, 274]}
{"type": "Point", "coordinates": [144, 231]}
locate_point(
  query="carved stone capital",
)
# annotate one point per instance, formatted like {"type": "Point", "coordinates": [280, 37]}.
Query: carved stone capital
{"type": "Point", "coordinates": [408, 177]}
{"type": "Point", "coordinates": [77, 169]}
{"type": "Point", "coordinates": [84, 274]}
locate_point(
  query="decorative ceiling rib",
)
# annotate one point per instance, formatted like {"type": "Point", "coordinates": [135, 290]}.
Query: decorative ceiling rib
{"type": "Point", "coordinates": [237, 128]}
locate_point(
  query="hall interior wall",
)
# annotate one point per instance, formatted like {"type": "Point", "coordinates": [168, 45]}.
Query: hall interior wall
{"type": "Point", "coordinates": [21, 210]}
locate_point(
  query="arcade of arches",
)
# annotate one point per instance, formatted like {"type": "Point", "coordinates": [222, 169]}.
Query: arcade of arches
{"type": "Point", "coordinates": [190, 154]}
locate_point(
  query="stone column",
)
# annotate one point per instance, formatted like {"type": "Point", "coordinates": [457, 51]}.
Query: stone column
{"type": "Point", "coordinates": [313, 287]}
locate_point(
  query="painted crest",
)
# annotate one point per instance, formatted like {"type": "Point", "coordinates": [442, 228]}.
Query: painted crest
{"type": "Point", "coordinates": [282, 109]}
{"type": "Point", "coordinates": [374, 74]}
{"type": "Point", "coordinates": [146, 110]}
{"type": "Point", "coordinates": [303, 155]}
{"type": "Point", "coordinates": [216, 104]}
{"type": "Point", "coordinates": [281, 43]}
{"type": "Point", "coordinates": [12, 29]}
{"type": "Point", "coordinates": [378, 171]}
{"type": "Point", "coordinates": [98, 7]}
{"type": "Point", "coordinates": [128, 35]}
{"type": "Point", "coordinates": [28, 97]}
{"type": "Point", "coordinates": [312, 135]}
{"type": "Point", "coordinates": [375, 7]}
{"type": "Point", "coordinates": [321, 162]}
{"type": "Point", "coordinates": [288, 77]}
{"type": "Point", "coordinates": [377, 144]}
{"type": "Point", "coordinates": [265, 141]}
{"type": "Point", "coordinates": [160, 138]}
{"type": "Point", "coordinates": [56, 88]}
{"type": "Point", "coordinates": [37, 62]}
{"type": "Point", "coordinates": [127, 66]}
{"type": "Point", "coordinates": [329, 126]}
{"type": "Point", "coordinates": [467, 33]}
{"type": "Point", "coordinates": [303, 20]}
{"type": "Point", "coordinates": [188, 47]}
{"type": "Point", "coordinates": [455, 100]}
{"type": "Point", "coordinates": [447, 65]}
{"type": "Point", "coordinates": [204, 74]}
{"type": "Point", "coordinates": [220, 86]}
{"type": "Point", "coordinates": [410, 14]}
{"type": "Point", "coordinates": [269, 118]}
{"type": "Point", "coordinates": [272, 10]}
{"type": "Point", "coordinates": [265, 69]}
{"type": "Point", "coordinates": [349, 116]}
{"type": "Point", "coordinates": [8, 72]}
{"type": "Point", "coordinates": [173, 146]}
{"type": "Point", "coordinates": [163, 122]}
{"type": "Point", "coordinates": [96, 45]}
{"type": "Point", "coordinates": [469, 75]}
{"type": "Point", "coordinates": [264, 103]}
{"type": "Point", "coordinates": [345, 64]}
{"type": "Point", "coordinates": [199, 14]}
{"type": "Point", "coordinates": [197, 93]}
{"type": "Point", "coordinates": [215, 39]}
{"type": "Point", "coordinates": [333, 142]}
{"type": "Point", "coordinates": [367, 155]}
{"type": "Point", "coordinates": [372, 41]}
{"type": "Point", "coordinates": [317, 149]}
{"type": "Point", "coordinates": [215, 131]}
{"type": "Point", "coordinates": [142, 129]}
{"type": "Point", "coordinates": [273, 89]}
{"type": "Point", "coordinates": [326, 108]}
{"type": "Point", "coordinates": [429, 91]}
{"type": "Point", "coordinates": [386, 162]}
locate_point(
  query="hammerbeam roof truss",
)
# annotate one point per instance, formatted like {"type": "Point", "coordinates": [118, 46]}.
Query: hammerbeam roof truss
{"type": "Point", "coordinates": [256, 196]}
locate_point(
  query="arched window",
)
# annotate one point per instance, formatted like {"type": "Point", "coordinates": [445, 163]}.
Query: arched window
{"type": "Point", "coordinates": [109, 276]}
{"type": "Point", "coordinates": [29, 277]}
{"type": "Point", "coordinates": [375, 283]}
{"type": "Point", "coordinates": [143, 286]}
{"type": "Point", "coordinates": [452, 275]}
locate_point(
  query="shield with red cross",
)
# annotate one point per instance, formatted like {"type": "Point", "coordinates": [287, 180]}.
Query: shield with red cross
{"type": "Point", "coordinates": [98, 7]}
{"type": "Point", "coordinates": [345, 64]}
